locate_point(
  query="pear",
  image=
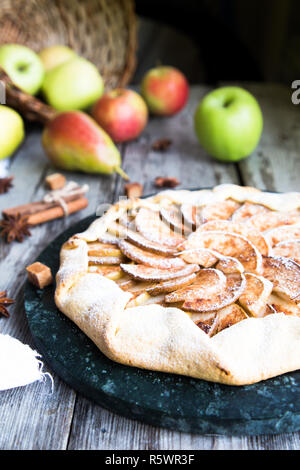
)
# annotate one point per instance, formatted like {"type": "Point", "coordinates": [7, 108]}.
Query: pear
{"type": "Point", "coordinates": [74, 141]}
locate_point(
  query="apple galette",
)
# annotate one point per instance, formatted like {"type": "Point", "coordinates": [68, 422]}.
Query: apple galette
{"type": "Point", "coordinates": [199, 283]}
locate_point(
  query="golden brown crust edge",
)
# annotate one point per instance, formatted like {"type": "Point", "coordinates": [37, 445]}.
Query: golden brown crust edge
{"type": "Point", "coordinates": [165, 339]}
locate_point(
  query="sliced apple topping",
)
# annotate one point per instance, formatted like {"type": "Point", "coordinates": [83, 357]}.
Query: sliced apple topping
{"type": "Point", "coordinates": [149, 259]}
{"type": "Point", "coordinates": [140, 241]}
{"type": "Point", "coordinates": [227, 244]}
{"type": "Point", "coordinates": [146, 273]}
{"type": "Point", "coordinates": [108, 238]}
{"type": "Point", "coordinates": [106, 260]}
{"type": "Point", "coordinates": [282, 233]}
{"type": "Point", "coordinates": [203, 302]}
{"type": "Point", "coordinates": [280, 305]}
{"type": "Point", "coordinates": [256, 294]}
{"type": "Point", "coordinates": [219, 210]}
{"type": "Point", "coordinates": [150, 225]}
{"type": "Point", "coordinates": [139, 299]}
{"type": "Point", "coordinates": [274, 219]}
{"type": "Point", "coordinates": [227, 317]}
{"type": "Point", "coordinates": [288, 249]}
{"type": "Point", "coordinates": [252, 235]}
{"type": "Point", "coordinates": [284, 273]}
{"type": "Point", "coordinates": [117, 230]}
{"type": "Point", "coordinates": [247, 210]}
{"type": "Point", "coordinates": [127, 219]}
{"type": "Point", "coordinates": [111, 272]}
{"type": "Point", "coordinates": [208, 283]}
{"type": "Point", "coordinates": [191, 215]}
{"type": "Point", "coordinates": [172, 216]}
{"type": "Point", "coordinates": [103, 249]}
{"type": "Point", "coordinates": [205, 321]}
{"type": "Point", "coordinates": [171, 285]}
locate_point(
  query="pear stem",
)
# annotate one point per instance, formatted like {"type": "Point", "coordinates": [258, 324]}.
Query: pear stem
{"type": "Point", "coordinates": [122, 173]}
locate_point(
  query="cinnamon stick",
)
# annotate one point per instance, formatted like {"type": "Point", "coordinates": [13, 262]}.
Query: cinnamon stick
{"type": "Point", "coordinates": [56, 212]}
{"type": "Point", "coordinates": [35, 207]}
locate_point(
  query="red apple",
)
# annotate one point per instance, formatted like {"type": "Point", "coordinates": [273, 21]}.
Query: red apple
{"type": "Point", "coordinates": [122, 113]}
{"type": "Point", "coordinates": [165, 90]}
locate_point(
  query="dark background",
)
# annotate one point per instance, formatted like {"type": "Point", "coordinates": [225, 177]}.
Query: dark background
{"type": "Point", "coordinates": [215, 40]}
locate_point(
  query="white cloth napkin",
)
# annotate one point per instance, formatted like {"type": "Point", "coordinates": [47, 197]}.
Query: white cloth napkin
{"type": "Point", "coordinates": [19, 364]}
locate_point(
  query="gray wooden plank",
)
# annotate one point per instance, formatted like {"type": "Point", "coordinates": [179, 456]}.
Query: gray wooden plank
{"type": "Point", "coordinates": [93, 427]}
{"type": "Point", "coordinates": [31, 417]}
{"type": "Point", "coordinates": [275, 164]}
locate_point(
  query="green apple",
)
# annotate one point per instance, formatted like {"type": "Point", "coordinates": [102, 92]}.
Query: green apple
{"type": "Point", "coordinates": [11, 131]}
{"type": "Point", "coordinates": [73, 85]}
{"type": "Point", "coordinates": [52, 56]}
{"type": "Point", "coordinates": [229, 123]}
{"type": "Point", "coordinates": [23, 66]}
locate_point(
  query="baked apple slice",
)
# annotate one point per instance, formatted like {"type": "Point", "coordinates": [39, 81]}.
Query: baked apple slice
{"type": "Point", "coordinates": [171, 285]}
{"type": "Point", "coordinates": [226, 317]}
{"type": "Point", "coordinates": [274, 219]}
{"type": "Point", "coordinates": [256, 295]}
{"type": "Point", "coordinates": [150, 225]}
{"type": "Point", "coordinates": [111, 272]}
{"type": "Point", "coordinates": [117, 230]}
{"type": "Point", "coordinates": [278, 304]}
{"type": "Point", "coordinates": [221, 210]}
{"type": "Point", "coordinates": [106, 260]}
{"type": "Point", "coordinates": [203, 302]}
{"type": "Point", "coordinates": [288, 249]}
{"type": "Point", "coordinates": [205, 321]}
{"type": "Point", "coordinates": [147, 273]}
{"type": "Point", "coordinates": [255, 237]}
{"type": "Point", "coordinates": [149, 259]}
{"type": "Point", "coordinates": [103, 249]}
{"type": "Point", "coordinates": [247, 210]}
{"type": "Point", "coordinates": [208, 283]}
{"type": "Point", "coordinates": [142, 242]}
{"type": "Point", "coordinates": [227, 244]}
{"type": "Point", "coordinates": [191, 215]}
{"type": "Point", "coordinates": [282, 233]}
{"type": "Point", "coordinates": [284, 273]}
{"type": "Point", "coordinates": [172, 216]}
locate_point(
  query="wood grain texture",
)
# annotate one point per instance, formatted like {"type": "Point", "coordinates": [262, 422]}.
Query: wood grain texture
{"type": "Point", "coordinates": [34, 418]}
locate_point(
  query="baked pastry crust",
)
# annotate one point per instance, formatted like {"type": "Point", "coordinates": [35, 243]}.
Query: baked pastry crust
{"type": "Point", "coordinates": [161, 338]}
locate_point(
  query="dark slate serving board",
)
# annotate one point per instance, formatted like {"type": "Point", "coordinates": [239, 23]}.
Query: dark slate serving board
{"type": "Point", "coordinates": [167, 400]}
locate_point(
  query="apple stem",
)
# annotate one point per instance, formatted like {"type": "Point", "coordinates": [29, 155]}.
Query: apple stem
{"type": "Point", "coordinates": [122, 173]}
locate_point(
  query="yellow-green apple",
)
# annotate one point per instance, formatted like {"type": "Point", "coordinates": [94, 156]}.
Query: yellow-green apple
{"type": "Point", "coordinates": [52, 56]}
{"type": "Point", "coordinates": [74, 141]}
{"type": "Point", "coordinates": [23, 66]}
{"type": "Point", "coordinates": [229, 123]}
{"type": "Point", "coordinates": [73, 85]}
{"type": "Point", "coordinates": [165, 90]}
{"type": "Point", "coordinates": [122, 113]}
{"type": "Point", "coordinates": [11, 131]}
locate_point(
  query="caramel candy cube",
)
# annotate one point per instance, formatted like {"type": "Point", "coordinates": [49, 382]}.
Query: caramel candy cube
{"type": "Point", "coordinates": [133, 190]}
{"type": "Point", "coordinates": [55, 181]}
{"type": "Point", "coordinates": [39, 274]}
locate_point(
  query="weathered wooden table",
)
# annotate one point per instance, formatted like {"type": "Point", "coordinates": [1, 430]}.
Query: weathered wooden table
{"type": "Point", "coordinates": [34, 418]}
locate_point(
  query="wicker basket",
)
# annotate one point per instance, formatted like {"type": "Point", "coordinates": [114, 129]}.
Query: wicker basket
{"type": "Point", "coordinates": [102, 31]}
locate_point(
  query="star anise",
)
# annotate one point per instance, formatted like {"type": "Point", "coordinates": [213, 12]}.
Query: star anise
{"type": "Point", "coordinates": [166, 182]}
{"type": "Point", "coordinates": [4, 301]}
{"type": "Point", "coordinates": [14, 227]}
{"type": "Point", "coordinates": [161, 145]}
{"type": "Point", "coordinates": [5, 184]}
